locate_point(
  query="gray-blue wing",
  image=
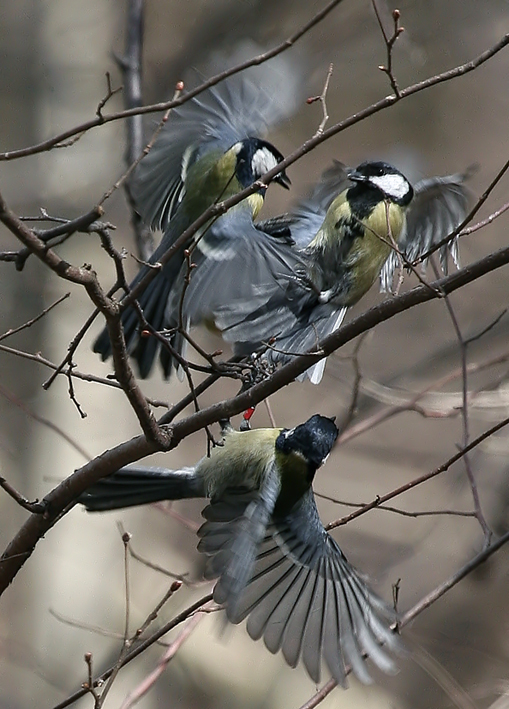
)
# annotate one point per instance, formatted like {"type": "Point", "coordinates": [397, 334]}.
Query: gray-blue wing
{"type": "Point", "coordinates": [439, 206]}
{"type": "Point", "coordinates": [303, 596]}
{"type": "Point", "coordinates": [306, 216]}
{"type": "Point", "coordinates": [239, 538]}
{"type": "Point", "coordinates": [244, 105]}
{"type": "Point", "coordinates": [240, 277]}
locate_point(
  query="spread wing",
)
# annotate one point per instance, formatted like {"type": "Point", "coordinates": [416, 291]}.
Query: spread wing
{"type": "Point", "coordinates": [278, 304]}
{"type": "Point", "coordinates": [302, 596]}
{"type": "Point", "coordinates": [242, 106]}
{"type": "Point", "coordinates": [238, 268]}
{"type": "Point", "coordinates": [235, 527]}
{"type": "Point", "coordinates": [439, 206]}
{"type": "Point", "coordinates": [301, 224]}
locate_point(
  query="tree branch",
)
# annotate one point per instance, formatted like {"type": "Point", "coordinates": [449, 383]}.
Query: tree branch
{"type": "Point", "coordinates": [62, 498]}
{"type": "Point", "coordinates": [165, 105]}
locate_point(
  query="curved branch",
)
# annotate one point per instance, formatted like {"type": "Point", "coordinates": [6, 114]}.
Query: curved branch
{"type": "Point", "coordinates": [62, 498]}
{"type": "Point", "coordinates": [165, 105]}
{"type": "Point", "coordinates": [222, 207]}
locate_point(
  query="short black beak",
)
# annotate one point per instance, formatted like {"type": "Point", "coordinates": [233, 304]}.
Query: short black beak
{"type": "Point", "coordinates": [283, 180]}
{"type": "Point", "coordinates": [356, 176]}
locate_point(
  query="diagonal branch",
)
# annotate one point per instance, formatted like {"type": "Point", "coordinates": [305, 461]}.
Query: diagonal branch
{"type": "Point", "coordinates": [62, 498]}
{"type": "Point", "coordinates": [222, 207]}
{"type": "Point", "coordinates": [86, 277]}
{"type": "Point", "coordinates": [165, 105]}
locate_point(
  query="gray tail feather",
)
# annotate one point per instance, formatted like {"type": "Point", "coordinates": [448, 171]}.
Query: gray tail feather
{"type": "Point", "coordinates": [142, 349]}
{"type": "Point", "coordinates": [133, 486]}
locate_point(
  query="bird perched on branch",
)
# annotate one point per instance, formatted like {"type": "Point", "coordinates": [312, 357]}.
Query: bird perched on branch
{"type": "Point", "coordinates": [293, 277]}
{"type": "Point", "coordinates": [210, 149]}
{"type": "Point", "coordinates": [276, 564]}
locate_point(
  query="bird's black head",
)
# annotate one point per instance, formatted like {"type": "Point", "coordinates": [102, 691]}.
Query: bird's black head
{"type": "Point", "coordinates": [379, 180]}
{"type": "Point", "coordinates": [313, 440]}
{"type": "Point", "coordinates": [255, 157]}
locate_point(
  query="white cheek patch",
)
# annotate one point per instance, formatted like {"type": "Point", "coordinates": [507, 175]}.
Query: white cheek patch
{"type": "Point", "coordinates": [393, 185]}
{"type": "Point", "coordinates": [263, 161]}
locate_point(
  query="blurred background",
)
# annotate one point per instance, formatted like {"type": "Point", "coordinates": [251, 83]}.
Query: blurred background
{"type": "Point", "coordinates": [54, 56]}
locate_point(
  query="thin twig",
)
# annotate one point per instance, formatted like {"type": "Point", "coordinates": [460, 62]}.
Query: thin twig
{"type": "Point", "coordinates": [182, 578]}
{"type": "Point", "coordinates": [464, 415]}
{"type": "Point", "coordinates": [166, 105]}
{"type": "Point", "coordinates": [83, 376]}
{"type": "Point", "coordinates": [389, 44]}
{"type": "Point", "coordinates": [31, 322]}
{"type": "Point", "coordinates": [380, 499]}
{"type": "Point", "coordinates": [484, 222]}
{"type": "Point", "coordinates": [34, 506]}
{"type": "Point", "coordinates": [109, 93]}
{"type": "Point", "coordinates": [45, 422]}
{"type": "Point", "coordinates": [89, 684]}
{"type": "Point", "coordinates": [322, 98]}
{"type": "Point", "coordinates": [397, 510]}
{"type": "Point", "coordinates": [141, 647]}
{"type": "Point", "coordinates": [136, 694]}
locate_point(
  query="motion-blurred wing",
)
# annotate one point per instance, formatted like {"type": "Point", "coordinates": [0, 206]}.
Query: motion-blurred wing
{"type": "Point", "coordinates": [305, 599]}
{"type": "Point", "coordinates": [238, 268]}
{"type": "Point", "coordinates": [439, 206]}
{"type": "Point", "coordinates": [242, 106]}
{"type": "Point", "coordinates": [235, 527]}
{"type": "Point", "coordinates": [301, 224]}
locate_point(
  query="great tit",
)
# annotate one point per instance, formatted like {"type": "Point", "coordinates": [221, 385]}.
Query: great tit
{"type": "Point", "coordinates": [344, 237]}
{"type": "Point", "coordinates": [209, 150]}
{"type": "Point", "coordinates": [276, 564]}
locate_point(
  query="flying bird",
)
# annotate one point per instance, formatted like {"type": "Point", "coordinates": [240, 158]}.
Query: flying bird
{"type": "Point", "coordinates": [211, 148]}
{"type": "Point", "coordinates": [291, 279]}
{"type": "Point", "coordinates": [275, 563]}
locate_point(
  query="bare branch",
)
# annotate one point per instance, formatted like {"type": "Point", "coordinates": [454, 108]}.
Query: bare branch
{"type": "Point", "coordinates": [141, 647]}
{"type": "Point", "coordinates": [31, 322]}
{"type": "Point", "coordinates": [62, 497]}
{"type": "Point", "coordinates": [322, 99]}
{"type": "Point", "coordinates": [389, 44]}
{"type": "Point", "coordinates": [77, 374]}
{"type": "Point", "coordinates": [45, 422]}
{"type": "Point", "coordinates": [109, 93]}
{"type": "Point", "coordinates": [380, 499]}
{"type": "Point", "coordinates": [166, 105]}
